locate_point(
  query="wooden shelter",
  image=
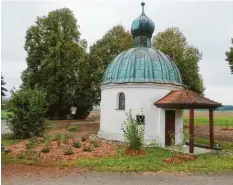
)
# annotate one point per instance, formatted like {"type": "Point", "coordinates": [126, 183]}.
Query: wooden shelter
{"type": "Point", "coordinates": [186, 99]}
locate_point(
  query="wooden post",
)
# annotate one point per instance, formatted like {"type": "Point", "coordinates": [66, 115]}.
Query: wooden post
{"type": "Point", "coordinates": [211, 126]}
{"type": "Point", "coordinates": [191, 131]}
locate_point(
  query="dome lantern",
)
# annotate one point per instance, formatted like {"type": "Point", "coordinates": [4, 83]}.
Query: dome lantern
{"type": "Point", "coordinates": [142, 29]}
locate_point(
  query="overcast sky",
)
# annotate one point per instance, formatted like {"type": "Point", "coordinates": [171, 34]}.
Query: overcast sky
{"type": "Point", "coordinates": [206, 25]}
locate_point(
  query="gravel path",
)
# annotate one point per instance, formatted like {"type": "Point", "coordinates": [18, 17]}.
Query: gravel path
{"type": "Point", "coordinates": [29, 175]}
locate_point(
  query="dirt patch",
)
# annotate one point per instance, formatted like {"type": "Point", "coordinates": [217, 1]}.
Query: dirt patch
{"type": "Point", "coordinates": [180, 159]}
{"type": "Point", "coordinates": [219, 133]}
{"type": "Point", "coordinates": [132, 152]}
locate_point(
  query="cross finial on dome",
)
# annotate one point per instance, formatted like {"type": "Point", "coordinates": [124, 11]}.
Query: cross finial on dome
{"type": "Point", "coordinates": [143, 4]}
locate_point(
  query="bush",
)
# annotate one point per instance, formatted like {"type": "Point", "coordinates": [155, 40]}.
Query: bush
{"type": "Point", "coordinates": [28, 109]}
{"type": "Point", "coordinates": [67, 136]}
{"type": "Point", "coordinates": [84, 137]}
{"type": "Point", "coordinates": [133, 133]}
{"type": "Point", "coordinates": [58, 138]}
{"type": "Point", "coordinates": [46, 138]}
{"type": "Point", "coordinates": [32, 143]}
{"type": "Point", "coordinates": [73, 128]}
{"type": "Point", "coordinates": [87, 147]}
{"type": "Point", "coordinates": [68, 151]}
{"type": "Point", "coordinates": [46, 148]}
{"type": "Point", "coordinates": [76, 144]}
{"type": "Point", "coordinates": [94, 143]}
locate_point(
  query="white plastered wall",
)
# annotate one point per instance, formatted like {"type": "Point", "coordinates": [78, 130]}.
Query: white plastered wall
{"type": "Point", "coordinates": [138, 97]}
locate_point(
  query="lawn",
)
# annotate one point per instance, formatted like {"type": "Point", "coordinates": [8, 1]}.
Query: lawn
{"type": "Point", "coordinates": [219, 121]}
{"type": "Point", "coordinates": [152, 161]}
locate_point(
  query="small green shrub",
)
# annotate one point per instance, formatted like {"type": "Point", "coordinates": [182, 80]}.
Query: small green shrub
{"type": "Point", "coordinates": [67, 136]}
{"type": "Point", "coordinates": [94, 143]}
{"type": "Point", "coordinates": [133, 132]}
{"type": "Point", "coordinates": [46, 148]}
{"type": "Point", "coordinates": [73, 128]}
{"type": "Point", "coordinates": [88, 147]}
{"type": "Point", "coordinates": [28, 108]}
{"type": "Point", "coordinates": [84, 137]}
{"type": "Point", "coordinates": [76, 144]}
{"type": "Point", "coordinates": [46, 138]}
{"type": "Point", "coordinates": [68, 151]}
{"type": "Point", "coordinates": [58, 138]}
{"type": "Point", "coordinates": [32, 143]}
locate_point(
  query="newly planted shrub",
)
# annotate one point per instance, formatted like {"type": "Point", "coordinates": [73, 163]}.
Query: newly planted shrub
{"type": "Point", "coordinates": [46, 148]}
{"type": "Point", "coordinates": [133, 132]}
{"type": "Point", "coordinates": [67, 136]}
{"type": "Point", "coordinates": [46, 138]}
{"type": "Point", "coordinates": [84, 137]}
{"type": "Point", "coordinates": [94, 143]}
{"type": "Point", "coordinates": [58, 138]}
{"type": "Point", "coordinates": [68, 151]}
{"type": "Point", "coordinates": [76, 144]}
{"type": "Point", "coordinates": [28, 108]}
{"type": "Point", "coordinates": [32, 143]}
{"type": "Point", "coordinates": [88, 147]}
{"type": "Point", "coordinates": [73, 128]}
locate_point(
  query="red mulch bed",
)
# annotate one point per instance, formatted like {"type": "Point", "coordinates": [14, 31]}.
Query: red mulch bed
{"type": "Point", "coordinates": [56, 153]}
{"type": "Point", "coordinates": [180, 159]}
{"type": "Point", "coordinates": [133, 152]}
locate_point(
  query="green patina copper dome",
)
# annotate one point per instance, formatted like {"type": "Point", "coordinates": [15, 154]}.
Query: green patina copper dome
{"type": "Point", "coordinates": [142, 63]}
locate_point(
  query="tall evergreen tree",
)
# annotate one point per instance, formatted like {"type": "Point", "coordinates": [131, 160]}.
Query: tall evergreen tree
{"type": "Point", "coordinates": [55, 54]}
{"type": "Point", "coordinates": [3, 89]}
{"type": "Point", "coordinates": [115, 41]}
{"type": "Point", "coordinates": [173, 43]}
{"type": "Point", "coordinates": [229, 55]}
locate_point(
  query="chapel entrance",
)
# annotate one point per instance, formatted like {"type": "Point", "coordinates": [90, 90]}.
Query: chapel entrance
{"type": "Point", "coordinates": [169, 127]}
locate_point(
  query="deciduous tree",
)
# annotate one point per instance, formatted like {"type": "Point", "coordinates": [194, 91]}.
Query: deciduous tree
{"type": "Point", "coordinates": [3, 89]}
{"type": "Point", "coordinates": [229, 55]}
{"type": "Point", "coordinates": [115, 41]}
{"type": "Point", "coordinates": [54, 56]}
{"type": "Point", "coordinates": [173, 43]}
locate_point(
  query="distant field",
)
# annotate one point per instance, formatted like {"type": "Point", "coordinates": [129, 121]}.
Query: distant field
{"type": "Point", "coordinates": [221, 118]}
{"type": "Point", "coordinates": [206, 113]}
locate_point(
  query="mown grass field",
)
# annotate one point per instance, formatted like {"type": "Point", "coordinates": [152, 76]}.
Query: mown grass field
{"type": "Point", "coordinates": [221, 118]}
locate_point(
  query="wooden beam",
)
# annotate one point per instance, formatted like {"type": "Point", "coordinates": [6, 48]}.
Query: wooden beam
{"type": "Point", "coordinates": [191, 131]}
{"type": "Point", "coordinates": [211, 126]}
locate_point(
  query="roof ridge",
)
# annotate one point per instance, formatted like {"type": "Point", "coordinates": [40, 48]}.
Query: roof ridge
{"type": "Point", "coordinates": [187, 92]}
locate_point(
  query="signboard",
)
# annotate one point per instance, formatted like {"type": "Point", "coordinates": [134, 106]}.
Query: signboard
{"type": "Point", "coordinates": [73, 110]}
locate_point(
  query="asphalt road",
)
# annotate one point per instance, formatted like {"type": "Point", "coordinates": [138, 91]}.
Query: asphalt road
{"type": "Point", "coordinates": [29, 175]}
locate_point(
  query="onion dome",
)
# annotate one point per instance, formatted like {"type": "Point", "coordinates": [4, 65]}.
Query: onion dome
{"type": "Point", "coordinates": [142, 29]}
{"type": "Point", "coordinates": [142, 63]}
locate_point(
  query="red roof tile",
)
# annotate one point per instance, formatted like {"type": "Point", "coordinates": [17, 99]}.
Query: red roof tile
{"type": "Point", "coordinates": [187, 98]}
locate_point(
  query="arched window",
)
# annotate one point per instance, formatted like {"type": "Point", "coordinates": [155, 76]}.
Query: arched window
{"type": "Point", "coordinates": [121, 103]}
